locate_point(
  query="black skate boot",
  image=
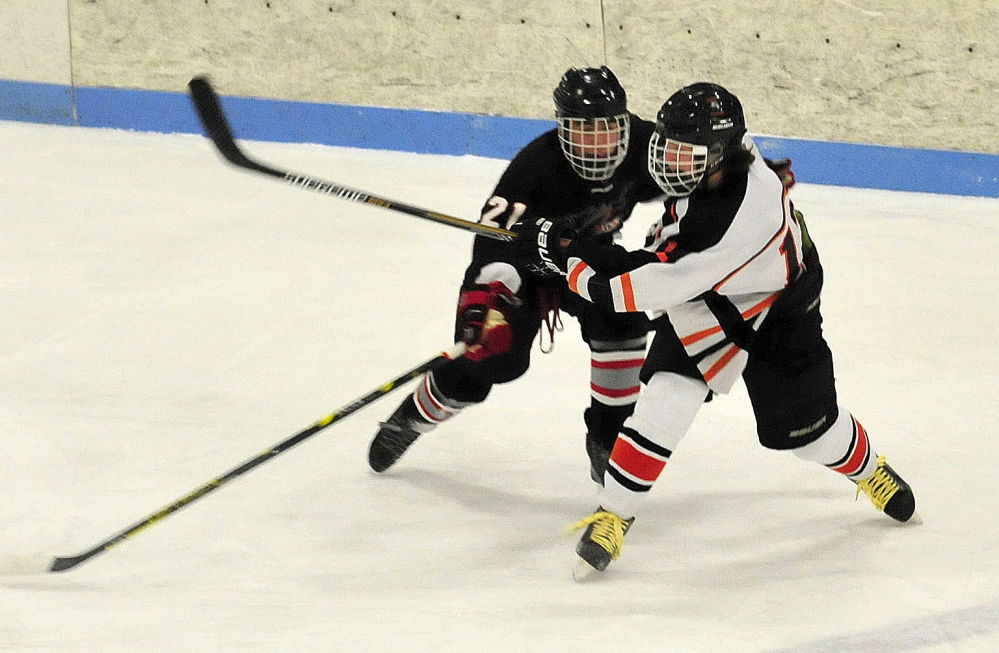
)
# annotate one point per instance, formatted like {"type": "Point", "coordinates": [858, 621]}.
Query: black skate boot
{"type": "Point", "coordinates": [396, 435]}
{"type": "Point", "coordinates": [603, 423]}
{"type": "Point", "coordinates": [601, 541]}
{"type": "Point", "coordinates": [599, 457]}
{"type": "Point", "coordinates": [890, 494]}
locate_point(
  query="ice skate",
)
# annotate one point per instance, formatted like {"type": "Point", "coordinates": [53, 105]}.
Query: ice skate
{"type": "Point", "coordinates": [890, 494]}
{"type": "Point", "coordinates": [601, 542]}
{"type": "Point", "coordinates": [396, 435]}
{"type": "Point", "coordinates": [598, 458]}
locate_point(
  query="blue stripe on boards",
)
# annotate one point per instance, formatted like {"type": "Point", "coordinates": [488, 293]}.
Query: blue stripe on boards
{"type": "Point", "coordinates": [32, 102]}
{"type": "Point", "coordinates": [408, 130]}
{"type": "Point", "coordinates": [151, 111]}
{"type": "Point", "coordinates": [887, 168]}
{"type": "Point", "coordinates": [458, 134]}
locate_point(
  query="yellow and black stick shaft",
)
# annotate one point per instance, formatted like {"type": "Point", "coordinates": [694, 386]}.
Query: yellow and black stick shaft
{"type": "Point", "coordinates": [209, 109]}
{"type": "Point", "coordinates": [69, 562]}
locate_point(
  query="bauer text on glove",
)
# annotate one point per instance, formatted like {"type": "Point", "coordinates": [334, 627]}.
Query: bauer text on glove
{"type": "Point", "coordinates": [541, 244]}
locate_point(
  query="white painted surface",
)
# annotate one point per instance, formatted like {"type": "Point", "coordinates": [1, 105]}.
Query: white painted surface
{"type": "Point", "coordinates": [920, 75]}
{"type": "Point", "coordinates": [908, 74]}
{"type": "Point", "coordinates": [913, 74]}
{"type": "Point", "coordinates": [34, 41]}
{"type": "Point", "coordinates": [477, 57]}
{"type": "Point", "coordinates": [167, 317]}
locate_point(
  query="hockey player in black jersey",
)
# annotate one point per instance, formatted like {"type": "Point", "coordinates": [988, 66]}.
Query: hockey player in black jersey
{"type": "Point", "coordinates": [589, 171]}
{"type": "Point", "coordinates": [731, 266]}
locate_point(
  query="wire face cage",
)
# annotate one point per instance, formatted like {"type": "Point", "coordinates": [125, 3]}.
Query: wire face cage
{"type": "Point", "coordinates": [594, 146]}
{"type": "Point", "coordinates": [678, 167]}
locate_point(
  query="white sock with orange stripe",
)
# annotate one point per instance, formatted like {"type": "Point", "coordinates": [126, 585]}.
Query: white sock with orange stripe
{"type": "Point", "coordinates": [844, 448]}
{"type": "Point", "coordinates": [664, 412]}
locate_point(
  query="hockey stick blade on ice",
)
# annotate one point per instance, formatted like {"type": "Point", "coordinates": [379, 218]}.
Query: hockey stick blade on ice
{"type": "Point", "coordinates": [39, 564]}
{"type": "Point", "coordinates": [209, 110]}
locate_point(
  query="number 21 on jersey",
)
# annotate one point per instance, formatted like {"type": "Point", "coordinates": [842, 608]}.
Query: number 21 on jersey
{"type": "Point", "coordinates": [500, 213]}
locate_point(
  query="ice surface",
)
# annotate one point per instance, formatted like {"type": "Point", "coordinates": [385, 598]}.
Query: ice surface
{"type": "Point", "coordinates": [167, 316]}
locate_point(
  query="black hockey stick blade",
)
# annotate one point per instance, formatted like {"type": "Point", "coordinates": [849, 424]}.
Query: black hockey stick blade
{"type": "Point", "coordinates": [33, 564]}
{"type": "Point", "coordinates": [209, 110]}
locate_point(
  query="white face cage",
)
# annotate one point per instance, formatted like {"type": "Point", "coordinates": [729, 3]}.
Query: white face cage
{"type": "Point", "coordinates": [595, 147]}
{"type": "Point", "coordinates": [678, 167]}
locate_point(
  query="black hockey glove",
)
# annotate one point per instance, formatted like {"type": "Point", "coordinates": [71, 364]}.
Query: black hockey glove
{"type": "Point", "coordinates": [541, 244]}
{"type": "Point", "coordinates": [482, 322]}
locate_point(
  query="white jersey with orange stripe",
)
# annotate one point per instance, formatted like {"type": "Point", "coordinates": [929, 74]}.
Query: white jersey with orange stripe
{"type": "Point", "coordinates": [714, 263]}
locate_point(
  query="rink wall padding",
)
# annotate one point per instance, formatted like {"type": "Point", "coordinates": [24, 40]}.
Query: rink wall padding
{"type": "Point", "coordinates": [901, 74]}
{"type": "Point", "coordinates": [458, 134]}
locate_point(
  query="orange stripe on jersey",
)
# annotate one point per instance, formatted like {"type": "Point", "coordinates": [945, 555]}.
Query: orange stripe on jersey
{"type": "Point", "coordinates": [573, 278]}
{"type": "Point", "coordinates": [721, 363]}
{"type": "Point", "coordinates": [663, 252]}
{"type": "Point", "coordinates": [759, 308]}
{"type": "Point", "coordinates": [700, 335]}
{"type": "Point", "coordinates": [753, 311]}
{"type": "Point", "coordinates": [779, 235]}
{"type": "Point", "coordinates": [636, 462]}
{"type": "Point", "coordinates": [627, 292]}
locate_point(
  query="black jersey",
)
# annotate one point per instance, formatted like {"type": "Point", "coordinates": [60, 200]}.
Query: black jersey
{"type": "Point", "coordinates": [540, 182]}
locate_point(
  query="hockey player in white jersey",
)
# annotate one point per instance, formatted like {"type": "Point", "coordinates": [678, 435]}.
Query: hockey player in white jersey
{"type": "Point", "coordinates": [731, 269]}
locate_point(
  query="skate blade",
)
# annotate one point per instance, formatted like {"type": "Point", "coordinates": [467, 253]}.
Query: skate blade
{"type": "Point", "coordinates": [583, 571]}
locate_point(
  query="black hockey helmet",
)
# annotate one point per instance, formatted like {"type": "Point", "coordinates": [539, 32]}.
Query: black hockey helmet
{"type": "Point", "coordinates": [589, 93]}
{"type": "Point", "coordinates": [591, 108]}
{"type": "Point", "coordinates": [696, 128]}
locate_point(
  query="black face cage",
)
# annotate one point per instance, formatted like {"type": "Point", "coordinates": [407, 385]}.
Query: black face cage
{"type": "Point", "coordinates": [595, 147]}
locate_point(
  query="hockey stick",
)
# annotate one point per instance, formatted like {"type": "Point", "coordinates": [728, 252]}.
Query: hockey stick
{"type": "Point", "coordinates": [209, 109]}
{"type": "Point", "coordinates": [25, 566]}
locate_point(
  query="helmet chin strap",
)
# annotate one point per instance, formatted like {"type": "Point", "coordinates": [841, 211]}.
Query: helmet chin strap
{"type": "Point", "coordinates": [714, 171]}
